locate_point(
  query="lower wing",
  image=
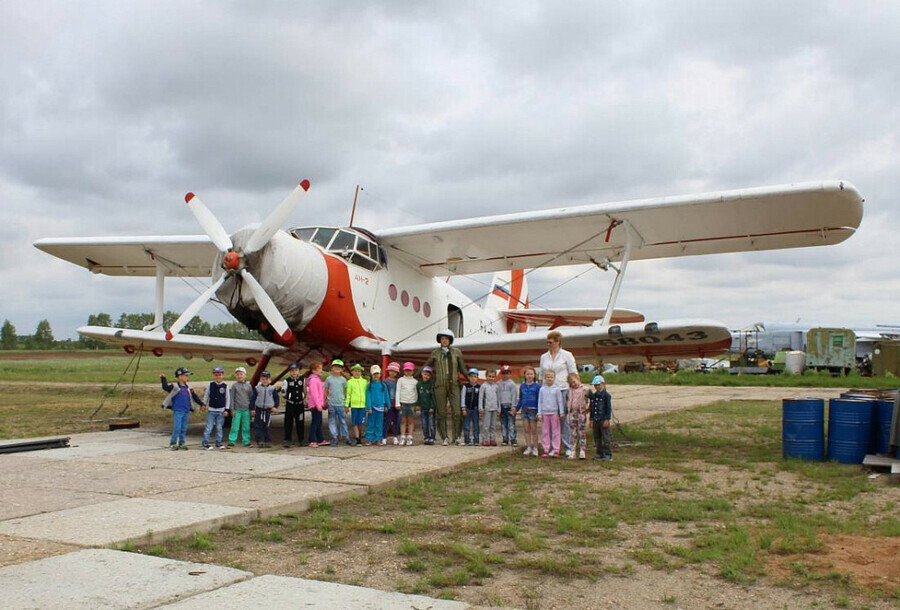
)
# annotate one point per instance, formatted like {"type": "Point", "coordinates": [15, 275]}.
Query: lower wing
{"type": "Point", "coordinates": [188, 346]}
{"type": "Point", "coordinates": [617, 343]}
{"type": "Point", "coordinates": [569, 316]}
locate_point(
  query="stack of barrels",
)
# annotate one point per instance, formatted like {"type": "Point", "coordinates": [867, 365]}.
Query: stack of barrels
{"type": "Point", "coordinates": [859, 423]}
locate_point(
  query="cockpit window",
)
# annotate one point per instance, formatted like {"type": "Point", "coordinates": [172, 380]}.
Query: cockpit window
{"type": "Point", "coordinates": [344, 240]}
{"type": "Point", "coordinates": [304, 234]}
{"type": "Point", "coordinates": [356, 246]}
{"type": "Point", "coordinates": [323, 236]}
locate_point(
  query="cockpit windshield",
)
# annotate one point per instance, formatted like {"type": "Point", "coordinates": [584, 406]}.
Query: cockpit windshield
{"type": "Point", "coordinates": [352, 245]}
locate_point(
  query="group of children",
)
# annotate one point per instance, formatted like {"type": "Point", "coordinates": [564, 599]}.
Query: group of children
{"type": "Point", "coordinates": [382, 408]}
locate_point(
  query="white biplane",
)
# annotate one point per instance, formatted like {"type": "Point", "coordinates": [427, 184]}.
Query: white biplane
{"type": "Point", "coordinates": [319, 292]}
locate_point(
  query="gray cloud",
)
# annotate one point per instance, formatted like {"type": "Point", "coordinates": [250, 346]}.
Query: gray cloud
{"type": "Point", "coordinates": [111, 111]}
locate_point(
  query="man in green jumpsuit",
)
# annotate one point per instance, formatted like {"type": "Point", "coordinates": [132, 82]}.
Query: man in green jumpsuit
{"type": "Point", "coordinates": [447, 362]}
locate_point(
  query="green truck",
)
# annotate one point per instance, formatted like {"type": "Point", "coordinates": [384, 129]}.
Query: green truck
{"type": "Point", "coordinates": [831, 349]}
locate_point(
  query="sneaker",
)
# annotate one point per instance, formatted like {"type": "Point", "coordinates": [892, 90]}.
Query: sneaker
{"type": "Point", "coordinates": [457, 442]}
{"type": "Point", "coordinates": [173, 447]}
{"type": "Point", "coordinates": [445, 443]}
{"type": "Point", "coordinates": [230, 445]}
{"type": "Point", "coordinates": [396, 442]}
{"type": "Point", "coordinates": [268, 445]}
{"type": "Point", "coordinates": [554, 454]}
{"type": "Point", "coordinates": [351, 442]}
{"type": "Point", "coordinates": [467, 443]}
{"type": "Point", "coordinates": [505, 442]}
{"type": "Point", "coordinates": [333, 442]}
{"type": "Point", "coordinates": [183, 447]}
{"type": "Point", "coordinates": [527, 451]}
{"type": "Point", "coordinates": [569, 453]}
{"type": "Point", "coordinates": [581, 455]}
{"type": "Point", "coordinates": [493, 443]}
{"type": "Point", "coordinates": [383, 442]}
{"type": "Point", "coordinates": [409, 441]}
{"type": "Point", "coordinates": [314, 445]}
{"type": "Point", "coordinates": [606, 458]}
{"type": "Point", "coordinates": [514, 443]}
{"type": "Point", "coordinates": [368, 444]}
{"type": "Point", "coordinates": [597, 458]}
{"type": "Point", "coordinates": [208, 447]}
{"type": "Point", "coordinates": [485, 443]}
{"type": "Point", "coordinates": [285, 444]}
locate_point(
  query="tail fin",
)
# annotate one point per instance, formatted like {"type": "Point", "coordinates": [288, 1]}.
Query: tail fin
{"type": "Point", "coordinates": [509, 290]}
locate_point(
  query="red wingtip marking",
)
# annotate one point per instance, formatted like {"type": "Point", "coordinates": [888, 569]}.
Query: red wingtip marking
{"type": "Point", "coordinates": [188, 197]}
{"type": "Point", "coordinates": [305, 185]}
{"type": "Point", "coordinates": [169, 335]}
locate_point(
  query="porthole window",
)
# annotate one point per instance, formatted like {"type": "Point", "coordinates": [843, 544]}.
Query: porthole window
{"type": "Point", "coordinates": [392, 292]}
{"type": "Point", "coordinates": [416, 304]}
{"type": "Point", "coordinates": [426, 309]}
{"type": "Point", "coordinates": [404, 298]}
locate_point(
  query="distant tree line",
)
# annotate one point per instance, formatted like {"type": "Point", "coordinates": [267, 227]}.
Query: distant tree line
{"type": "Point", "coordinates": [42, 339]}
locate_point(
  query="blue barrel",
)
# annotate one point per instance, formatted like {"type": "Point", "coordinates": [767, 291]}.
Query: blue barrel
{"type": "Point", "coordinates": [849, 429]}
{"type": "Point", "coordinates": [881, 426]}
{"type": "Point", "coordinates": [803, 428]}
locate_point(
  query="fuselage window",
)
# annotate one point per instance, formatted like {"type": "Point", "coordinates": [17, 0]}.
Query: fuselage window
{"type": "Point", "coordinates": [342, 241]}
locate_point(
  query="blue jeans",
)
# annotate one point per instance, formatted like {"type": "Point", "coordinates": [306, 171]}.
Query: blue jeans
{"type": "Point", "coordinates": [428, 425]}
{"type": "Point", "coordinates": [507, 424]}
{"type": "Point", "coordinates": [179, 427]}
{"type": "Point", "coordinates": [337, 423]}
{"type": "Point", "coordinates": [216, 419]}
{"type": "Point", "coordinates": [374, 426]}
{"type": "Point", "coordinates": [471, 422]}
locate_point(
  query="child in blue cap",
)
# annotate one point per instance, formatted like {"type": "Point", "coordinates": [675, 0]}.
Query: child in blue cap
{"type": "Point", "coordinates": [179, 399]}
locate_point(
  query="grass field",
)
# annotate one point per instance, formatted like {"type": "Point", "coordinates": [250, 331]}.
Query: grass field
{"type": "Point", "coordinates": [108, 368]}
{"type": "Point", "coordinates": [703, 492]}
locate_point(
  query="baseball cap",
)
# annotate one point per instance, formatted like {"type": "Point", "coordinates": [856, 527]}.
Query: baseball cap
{"type": "Point", "coordinates": [265, 374]}
{"type": "Point", "coordinates": [240, 369]}
{"type": "Point", "coordinates": [337, 362]}
{"type": "Point", "coordinates": [182, 371]}
{"type": "Point", "coordinates": [293, 365]}
{"type": "Point", "coordinates": [597, 380]}
{"type": "Point", "coordinates": [219, 369]}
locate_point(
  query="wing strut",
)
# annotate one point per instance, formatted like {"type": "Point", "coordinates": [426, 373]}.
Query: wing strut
{"type": "Point", "coordinates": [160, 295]}
{"type": "Point", "coordinates": [630, 238]}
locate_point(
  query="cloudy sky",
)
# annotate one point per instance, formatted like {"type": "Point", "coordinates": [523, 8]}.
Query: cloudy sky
{"type": "Point", "coordinates": [111, 111]}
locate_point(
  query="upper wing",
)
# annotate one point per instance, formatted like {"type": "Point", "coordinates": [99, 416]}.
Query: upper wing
{"type": "Point", "coordinates": [188, 255]}
{"type": "Point", "coordinates": [183, 345]}
{"type": "Point", "coordinates": [663, 340]}
{"type": "Point", "coordinates": [786, 216]}
{"type": "Point", "coordinates": [569, 316]}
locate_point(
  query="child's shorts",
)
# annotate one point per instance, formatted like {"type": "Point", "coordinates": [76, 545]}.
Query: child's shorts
{"type": "Point", "coordinates": [530, 415]}
{"type": "Point", "coordinates": [407, 409]}
{"type": "Point", "coordinates": [357, 417]}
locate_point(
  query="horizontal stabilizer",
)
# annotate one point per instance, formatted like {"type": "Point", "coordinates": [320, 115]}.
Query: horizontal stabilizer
{"type": "Point", "coordinates": [568, 316]}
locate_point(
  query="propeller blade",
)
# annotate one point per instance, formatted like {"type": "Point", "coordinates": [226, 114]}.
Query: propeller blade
{"type": "Point", "coordinates": [276, 219]}
{"type": "Point", "coordinates": [268, 308]}
{"type": "Point", "coordinates": [193, 308]}
{"type": "Point", "coordinates": [211, 225]}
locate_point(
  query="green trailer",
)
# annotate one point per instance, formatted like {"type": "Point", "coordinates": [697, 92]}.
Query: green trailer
{"type": "Point", "coordinates": [886, 358]}
{"type": "Point", "coordinates": [831, 349]}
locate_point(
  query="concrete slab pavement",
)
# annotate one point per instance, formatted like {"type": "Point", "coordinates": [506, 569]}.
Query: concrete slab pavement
{"type": "Point", "coordinates": [266, 592]}
{"type": "Point", "coordinates": [138, 520]}
{"type": "Point", "coordinates": [265, 496]}
{"type": "Point", "coordinates": [100, 578]}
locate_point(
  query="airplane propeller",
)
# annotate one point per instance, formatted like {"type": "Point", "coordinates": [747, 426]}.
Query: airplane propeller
{"type": "Point", "coordinates": [232, 259]}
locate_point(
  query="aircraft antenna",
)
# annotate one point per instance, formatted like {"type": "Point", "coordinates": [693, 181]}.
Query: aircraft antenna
{"type": "Point", "coordinates": [355, 198]}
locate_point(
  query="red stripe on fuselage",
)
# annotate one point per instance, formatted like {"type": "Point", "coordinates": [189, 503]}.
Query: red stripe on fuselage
{"type": "Point", "coordinates": [336, 322]}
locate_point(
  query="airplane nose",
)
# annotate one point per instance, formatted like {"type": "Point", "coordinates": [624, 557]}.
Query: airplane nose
{"type": "Point", "coordinates": [291, 272]}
